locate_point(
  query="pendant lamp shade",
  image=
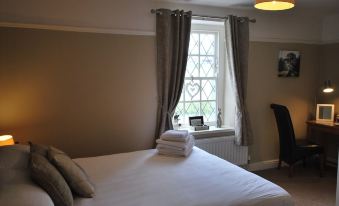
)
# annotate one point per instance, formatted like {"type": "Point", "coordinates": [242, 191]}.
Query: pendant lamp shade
{"type": "Point", "coordinates": [274, 5]}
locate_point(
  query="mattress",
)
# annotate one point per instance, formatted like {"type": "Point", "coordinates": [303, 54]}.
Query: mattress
{"type": "Point", "coordinates": [144, 178]}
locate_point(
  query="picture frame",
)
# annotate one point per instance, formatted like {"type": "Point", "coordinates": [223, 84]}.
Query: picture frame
{"type": "Point", "coordinates": [196, 121]}
{"type": "Point", "coordinates": [325, 113]}
{"type": "Point", "coordinates": [289, 63]}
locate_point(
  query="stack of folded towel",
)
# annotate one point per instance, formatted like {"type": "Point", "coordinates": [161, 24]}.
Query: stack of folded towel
{"type": "Point", "coordinates": [175, 143]}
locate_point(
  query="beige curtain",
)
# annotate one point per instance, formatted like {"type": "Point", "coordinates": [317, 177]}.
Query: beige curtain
{"type": "Point", "coordinates": [237, 48]}
{"type": "Point", "coordinates": [172, 40]}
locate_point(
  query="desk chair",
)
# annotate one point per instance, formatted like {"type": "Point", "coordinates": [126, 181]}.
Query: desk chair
{"type": "Point", "coordinates": [290, 151]}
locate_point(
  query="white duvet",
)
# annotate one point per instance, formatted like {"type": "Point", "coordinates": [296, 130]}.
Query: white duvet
{"type": "Point", "coordinates": [144, 178]}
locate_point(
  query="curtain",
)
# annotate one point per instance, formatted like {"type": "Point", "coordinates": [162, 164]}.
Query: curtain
{"type": "Point", "coordinates": [172, 40]}
{"type": "Point", "coordinates": [237, 49]}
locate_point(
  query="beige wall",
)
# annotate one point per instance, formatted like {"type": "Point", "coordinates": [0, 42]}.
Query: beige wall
{"type": "Point", "coordinates": [93, 94]}
{"type": "Point", "coordinates": [89, 94]}
{"type": "Point", "coordinates": [265, 87]}
{"type": "Point", "coordinates": [329, 70]}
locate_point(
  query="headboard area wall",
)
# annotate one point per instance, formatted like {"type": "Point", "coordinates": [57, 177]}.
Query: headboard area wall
{"type": "Point", "coordinates": [89, 94]}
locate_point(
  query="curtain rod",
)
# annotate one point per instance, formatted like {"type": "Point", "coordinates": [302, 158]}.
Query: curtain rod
{"type": "Point", "coordinates": [155, 11]}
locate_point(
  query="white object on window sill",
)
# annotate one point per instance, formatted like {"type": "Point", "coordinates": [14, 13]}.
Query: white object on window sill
{"type": "Point", "coordinates": [212, 132]}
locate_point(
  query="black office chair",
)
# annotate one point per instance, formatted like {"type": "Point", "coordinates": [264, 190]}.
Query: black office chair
{"type": "Point", "coordinates": [290, 151]}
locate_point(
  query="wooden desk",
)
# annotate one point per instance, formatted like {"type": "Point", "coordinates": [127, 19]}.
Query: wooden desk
{"type": "Point", "coordinates": [315, 128]}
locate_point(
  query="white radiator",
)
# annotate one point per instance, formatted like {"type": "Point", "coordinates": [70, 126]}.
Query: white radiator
{"type": "Point", "coordinates": [224, 148]}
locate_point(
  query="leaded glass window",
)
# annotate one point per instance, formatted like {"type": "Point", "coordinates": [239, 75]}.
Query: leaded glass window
{"type": "Point", "coordinates": [199, 95]}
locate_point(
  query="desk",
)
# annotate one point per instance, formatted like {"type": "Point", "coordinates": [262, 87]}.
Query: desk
{"type": "Point", "coordinates": [314, 129]}
{"type": "Point", "coordinates": [324, 134]}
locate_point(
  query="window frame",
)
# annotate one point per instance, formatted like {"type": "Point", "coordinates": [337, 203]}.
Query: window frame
{"type": "Point", "coordinates": [219, 29]}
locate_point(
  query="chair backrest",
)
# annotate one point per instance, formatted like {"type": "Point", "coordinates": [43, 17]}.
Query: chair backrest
{"type": "Point", "coordinates": [286, 131]}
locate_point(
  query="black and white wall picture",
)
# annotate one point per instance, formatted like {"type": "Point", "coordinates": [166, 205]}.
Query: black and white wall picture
{"type": "Point", "coordinates": [289, 64]}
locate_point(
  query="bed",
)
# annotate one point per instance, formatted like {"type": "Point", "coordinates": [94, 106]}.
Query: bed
{"type": "Point", "coordinates": [144, 178]}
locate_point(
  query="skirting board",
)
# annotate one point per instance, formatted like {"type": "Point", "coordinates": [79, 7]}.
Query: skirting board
{"type": "Point", "coordinates": [270, 164]}
{"type": "Point", "coordinates": [264, 165]}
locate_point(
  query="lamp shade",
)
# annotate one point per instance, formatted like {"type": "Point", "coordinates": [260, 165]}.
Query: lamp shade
{"type": "Point", "coordinates": [274, 5]}
{"type": "Point", "coordinates": [6, 140]}
{"type": "Point", "coordinates": [328, 87]}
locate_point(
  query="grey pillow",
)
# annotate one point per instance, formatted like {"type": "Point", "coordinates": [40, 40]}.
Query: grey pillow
{"type": "Point", "coordinates": [14, 156]}
{"type": "Point", "coordinates": [38, 148]}
{"type": "Point", "coordinates": [74, 175]}
{"type": "Point", "coordinates": [48, 177]}
{"type": "Point", "coordinates": [17, 188]}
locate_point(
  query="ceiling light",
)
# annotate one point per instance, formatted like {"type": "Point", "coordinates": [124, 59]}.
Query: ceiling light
{"type": "Point", "coordinates": [274, 5]}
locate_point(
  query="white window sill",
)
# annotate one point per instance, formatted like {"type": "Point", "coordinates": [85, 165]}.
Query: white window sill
{"type": "Point", "coordinates": [212, 132]}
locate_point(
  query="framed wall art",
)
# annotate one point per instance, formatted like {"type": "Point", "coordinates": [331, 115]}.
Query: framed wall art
{"type": "Point", "coordinates": [289, 64]}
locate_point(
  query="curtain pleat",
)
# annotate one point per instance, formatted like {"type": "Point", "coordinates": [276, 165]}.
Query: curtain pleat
{"type": "Point", "coordinates": [237, 49]}
{"type": "Point", "coordinates": [172, 40]}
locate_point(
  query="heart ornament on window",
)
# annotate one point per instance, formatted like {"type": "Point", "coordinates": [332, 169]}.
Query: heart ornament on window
{"type": "Point", "coordinates": [192, 89]}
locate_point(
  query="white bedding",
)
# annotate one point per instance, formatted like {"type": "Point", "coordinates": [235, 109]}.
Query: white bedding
{"type": "Point", "coordinates": [144, 178]}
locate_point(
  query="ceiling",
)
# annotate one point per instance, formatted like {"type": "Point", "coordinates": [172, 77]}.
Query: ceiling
{"type": "Point", "coordinates": [323, 6]}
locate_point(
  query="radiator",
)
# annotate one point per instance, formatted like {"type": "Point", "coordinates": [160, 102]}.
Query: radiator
{"type": "Point", "coordinates": [224, 148]}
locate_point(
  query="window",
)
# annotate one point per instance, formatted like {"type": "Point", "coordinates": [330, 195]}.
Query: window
{"type": "Point", "coordinates": [203, 86]}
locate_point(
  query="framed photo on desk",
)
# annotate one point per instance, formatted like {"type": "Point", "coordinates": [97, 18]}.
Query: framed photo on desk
{"type": "Point", "coordinates": [325, 113]}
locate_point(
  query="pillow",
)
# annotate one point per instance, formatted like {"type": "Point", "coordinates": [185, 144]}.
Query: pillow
{"type": "Point", "coordinates": [14, 156]}
{"type": "Point", "coordinates": [48, 177]}
{"type": "Point", "coordinates": [74, 175]}
{"type": "Point", "coordinates": [38, 148]}
{"type": "Point", "coordinates": [17, 188]}
{"type": "Point", "coordinates": [13, 176]}
{"type": "Point", "coordinates": [16, 185]}
{"type": "Point", "coordinates": [24, 194]}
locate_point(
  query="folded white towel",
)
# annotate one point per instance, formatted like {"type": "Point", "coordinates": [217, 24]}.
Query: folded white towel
{"type": "Point", "coordinates": [175, 135]}
{"type": "Point", "coordinates": [188, 146]}
{"type": "Point", "coordinates": [182, 145]}
{"type": "Point", "coordinates": [175, 153]}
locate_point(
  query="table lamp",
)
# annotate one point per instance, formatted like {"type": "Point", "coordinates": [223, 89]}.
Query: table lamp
{"type": "Point", "coordinates": [6, 140]}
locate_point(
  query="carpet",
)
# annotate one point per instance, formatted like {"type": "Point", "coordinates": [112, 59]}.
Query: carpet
{"type": "Point", "coordinates": [306, 187]}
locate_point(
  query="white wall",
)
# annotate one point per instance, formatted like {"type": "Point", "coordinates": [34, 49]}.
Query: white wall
{"type": "Point", "coordinates": [116, 14]}
{"type": "Point", "coordinates": [286, 26]}
{"type": "Point", "coordinates": [330, 30]}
